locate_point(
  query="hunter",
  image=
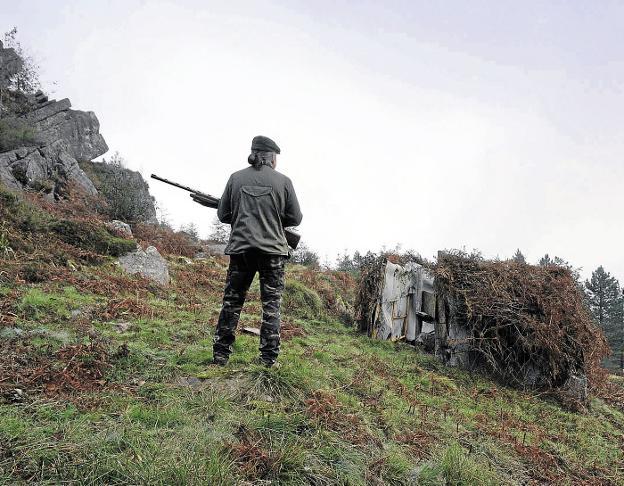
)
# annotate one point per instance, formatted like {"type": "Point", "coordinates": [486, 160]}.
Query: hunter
{"type": "Point", "coordinates": [258, 203]}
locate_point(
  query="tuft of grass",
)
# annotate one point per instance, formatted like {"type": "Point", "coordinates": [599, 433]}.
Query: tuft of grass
{"type": "Point", "coordinates": [283, 382]}
{"type": "Point", "coordinates": [457, 467]}
{"type": "Point", "coordinates": [301, 301]}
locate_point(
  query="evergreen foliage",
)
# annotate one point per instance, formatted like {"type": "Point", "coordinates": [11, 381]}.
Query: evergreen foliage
{"type": "Point", "coordinates": [518, 257]}
{"type": "Point", "coordinates": [125, 191]}
{"type": "Point", "coordinates": [606, 304]}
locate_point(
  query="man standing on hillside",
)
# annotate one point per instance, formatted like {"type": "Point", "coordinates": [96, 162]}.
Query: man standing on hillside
{"type": "Point", "coordinates": [258, 202]}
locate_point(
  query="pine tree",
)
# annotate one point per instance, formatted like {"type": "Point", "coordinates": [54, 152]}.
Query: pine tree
{"type": "Point", "coordinates": [605, 302]}
{"type": "Point", "coordinates": [518, 257]}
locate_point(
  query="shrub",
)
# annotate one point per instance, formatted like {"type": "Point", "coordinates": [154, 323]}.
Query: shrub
{"type": "Point", "coordinates": [15, 133]}
{"type": "Point", "coordinates": [124, 190]}
{"type": "Point", "coordinates": [92, 236]}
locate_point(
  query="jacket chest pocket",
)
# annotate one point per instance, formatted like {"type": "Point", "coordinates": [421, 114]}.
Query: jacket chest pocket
{"type": "Point", "coordinates": [257, 191]}
{"type": "Point", "coordinates": [259, 201]}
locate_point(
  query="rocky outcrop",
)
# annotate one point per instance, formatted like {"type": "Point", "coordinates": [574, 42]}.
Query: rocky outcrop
{"type": "Point", "coordinates": [149, 263]}
{"type": "Point", "coordinates": [63, 138]}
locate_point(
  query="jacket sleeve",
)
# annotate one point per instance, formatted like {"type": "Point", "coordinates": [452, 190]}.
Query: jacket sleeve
{"type": "Point", "coordinates": [224, 211]}
{"type": "Point", "coordinates": [292, 212]}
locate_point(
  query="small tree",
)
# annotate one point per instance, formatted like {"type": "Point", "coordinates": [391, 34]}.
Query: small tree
{"type": "Point", "coordinates": [518, 257]}
{"type": "Point", "coordinates": [303, 255]}
{"type": "Point", "coordinates": [605, 302]}
{"type": "Point", "coordinates": [191, 230]}
{"type": "Point", "coordinates": [345, 263]}
{"type": "Point", "coordinates": [220, 232]}
{"type": "Point", "coordinates": [27, 78]}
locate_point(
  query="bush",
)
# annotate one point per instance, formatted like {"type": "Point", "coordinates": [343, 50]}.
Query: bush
{"type": "Point", "coordinates": [124, 190]}
{"type": "Point", "coordinates": [303, 255]}
{"type": "Point", "coordinates": [15, 133]}
{"type": "Point", "coordinates": [92, 236]}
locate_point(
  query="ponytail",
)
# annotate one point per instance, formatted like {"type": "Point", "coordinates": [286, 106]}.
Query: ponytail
{"type": "Point", "coordinates": [257, 158]}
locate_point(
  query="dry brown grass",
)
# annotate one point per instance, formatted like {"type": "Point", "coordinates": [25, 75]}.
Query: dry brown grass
{"type": "Point", "coordinates": [522, 317]}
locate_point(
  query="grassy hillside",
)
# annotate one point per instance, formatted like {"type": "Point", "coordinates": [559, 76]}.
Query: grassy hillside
{"type": "Point", "coordinates": [105, 378]}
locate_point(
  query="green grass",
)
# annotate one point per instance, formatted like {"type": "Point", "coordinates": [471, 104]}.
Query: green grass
{"type": "Point", "coordinates": [37, 304]}
{"type": "Point", "coordinates": [341, 409]}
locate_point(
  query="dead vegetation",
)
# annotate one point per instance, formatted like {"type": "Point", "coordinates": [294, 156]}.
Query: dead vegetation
{"type": "Point", "coordinates": [323, 408]}
{"type": "Point", "coordinates": [253, 458]}
{"type": "Point", "coordinates": [166, 240]}
{"type": "Point", "coordinates": [522, 319]}
{"type": "Point", "coordinates": [70, 370]}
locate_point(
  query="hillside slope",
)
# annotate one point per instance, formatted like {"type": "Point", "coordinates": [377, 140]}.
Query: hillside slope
{"type": "Point", "coordinates": [105, 378]}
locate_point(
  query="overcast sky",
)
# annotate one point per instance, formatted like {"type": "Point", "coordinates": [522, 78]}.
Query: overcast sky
{"type": "Point", "coordinates": [493, 125]}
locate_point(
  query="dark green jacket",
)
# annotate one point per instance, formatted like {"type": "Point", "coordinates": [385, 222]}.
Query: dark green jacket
{"type": "Point", "coordinates": [259, 203]}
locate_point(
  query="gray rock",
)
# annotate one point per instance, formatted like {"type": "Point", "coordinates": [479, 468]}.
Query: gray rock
{"type": "Point", "coordinates": [123, 188]}
{"type": "Point", "coordinates": [63, 138]}
{"type": "Point", "coordinates": [121, 228]}
{"type": "Point", "coordinates": [576, 387]}
{"type": "Point", "coordinates": [215, 248]}
{"type": "Point", "coordinates": [122, 326]}
{"type": "Point", "coordinates": [35, 167]}
{"type": "Point", "coordinates": [149, 263]}
{"type": "Point", "coordinates": [80, 130]}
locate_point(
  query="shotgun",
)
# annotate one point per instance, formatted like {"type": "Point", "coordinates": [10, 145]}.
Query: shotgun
{"type": "Point", "coordinates": [292, 237]}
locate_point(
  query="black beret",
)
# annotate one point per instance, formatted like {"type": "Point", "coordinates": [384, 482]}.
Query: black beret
{"type": "Point", "coordinates": [264, 144]}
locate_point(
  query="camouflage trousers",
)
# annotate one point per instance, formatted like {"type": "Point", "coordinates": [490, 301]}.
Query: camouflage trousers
{"type": "Point", "coordinates": [243, 268]}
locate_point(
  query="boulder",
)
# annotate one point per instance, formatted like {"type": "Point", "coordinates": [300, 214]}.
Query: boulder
{"type": "Point", "coordinates": [149, 263]}
{"type": "Point", "coordinates": [120, 228]}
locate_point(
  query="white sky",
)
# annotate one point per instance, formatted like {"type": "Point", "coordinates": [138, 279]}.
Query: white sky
{"type": "Point", "coordinates": [485, 124]}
